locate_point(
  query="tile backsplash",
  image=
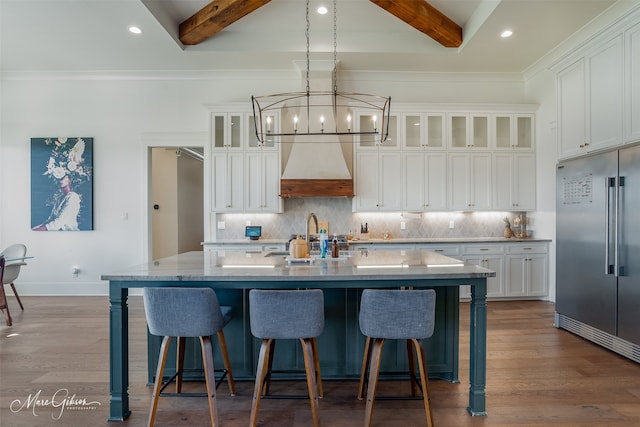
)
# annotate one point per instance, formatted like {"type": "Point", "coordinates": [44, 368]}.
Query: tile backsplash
{"type": "Point", "coordinates": [337, 212]}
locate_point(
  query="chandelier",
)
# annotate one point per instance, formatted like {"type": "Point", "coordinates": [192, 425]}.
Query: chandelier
{"type": "Point", "coordinates": [321, 116]}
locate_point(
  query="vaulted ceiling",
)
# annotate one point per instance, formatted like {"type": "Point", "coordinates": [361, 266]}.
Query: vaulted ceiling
{"type": "Point", "coordinates": [90, 35]}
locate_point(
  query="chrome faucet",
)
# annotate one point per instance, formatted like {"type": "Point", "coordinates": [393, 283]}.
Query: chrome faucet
{"type": "Point", "coordinates": [315, 220]}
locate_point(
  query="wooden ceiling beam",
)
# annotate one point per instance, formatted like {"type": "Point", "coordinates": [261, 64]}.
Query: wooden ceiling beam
{"type": "Point", "coordinates": [426, 19]}
{"type": "Point", "coordinates": [214, 17]}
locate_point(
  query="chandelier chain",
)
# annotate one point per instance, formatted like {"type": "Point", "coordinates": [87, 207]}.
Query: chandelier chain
{"type": "Point", "coordinates": [300, 116]}
{"type": "Point", "coordinates": [335, 47]}
{"type": "Point", "coordinates": [307, 36]}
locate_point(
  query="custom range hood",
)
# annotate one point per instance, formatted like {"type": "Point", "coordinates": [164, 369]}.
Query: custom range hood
{"type": "Point", "coordinates": [313, 168]}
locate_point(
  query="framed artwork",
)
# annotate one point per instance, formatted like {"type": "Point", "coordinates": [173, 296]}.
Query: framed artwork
{"type": "Point", "coordinates": [61, 184]}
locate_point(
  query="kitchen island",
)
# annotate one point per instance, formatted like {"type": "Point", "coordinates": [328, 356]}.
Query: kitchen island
{"type": "Point", "coordinates": [233, 273]}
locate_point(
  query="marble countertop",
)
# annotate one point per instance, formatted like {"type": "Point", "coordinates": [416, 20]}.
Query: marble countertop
{"type": "Point", "coordinates": [392, 240]}
{"type": "Point", "coordinates": [246, 266]}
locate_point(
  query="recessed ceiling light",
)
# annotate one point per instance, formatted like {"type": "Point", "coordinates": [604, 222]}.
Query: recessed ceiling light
{"type": "Point", "coordinates": [322, 10]}
{"type": "Point", "coordinates": [506, 33]}
{"type": "Point", "coordinates": [135, 30]}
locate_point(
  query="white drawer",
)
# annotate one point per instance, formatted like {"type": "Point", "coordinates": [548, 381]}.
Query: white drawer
{"type": "Point", "coordinates": [527, 248]}
{"type": "Point", "coordinates": [483, 249]}
{"type": "Point", "coordinates": [448, 250]}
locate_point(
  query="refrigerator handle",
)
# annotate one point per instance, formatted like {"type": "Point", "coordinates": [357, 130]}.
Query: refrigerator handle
{"type": "Point", "coordinates": [609, 183]}
{"type": "Point", "coordinates": [617, 232]}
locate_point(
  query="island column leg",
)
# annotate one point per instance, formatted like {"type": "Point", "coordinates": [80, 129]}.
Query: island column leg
{"type": "Point", "coordinates": [478, 349]}
{"type": "Point", "coordinates": [118, 353]}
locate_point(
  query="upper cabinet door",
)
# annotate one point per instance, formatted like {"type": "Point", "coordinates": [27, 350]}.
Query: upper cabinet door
{"type": "Point", "coordinates": [262, 178]}
{"type": "Point", "coordinates": [271, 125]}
{"type": "Point", "coordinates": [514, 181]}
{"type": "Point", "coordinates": [513, 132]}
{"type": "Point", "coordinates": [604, 95]}
{"type": "Point", "coordinates": [571, 83]}
{"type": "Point", "coordinates": [468, 131]}
{"type": "Point", "coordinates": [227, 175]}
{"type": "Point", "coordinates": [469, 181]}
{"type": "Point", "coordinates": [422, 131]}
{"type": "Point", "coordinates": [632, 81]}
{"type": "Point", "coordinates": [227, 130]}
{"type": "Point", "coordinates": [367, 122]}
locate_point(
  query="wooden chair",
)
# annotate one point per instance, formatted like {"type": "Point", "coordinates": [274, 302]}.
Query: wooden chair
{"type": "Point", "coordinates": [187, 312]}
{"type": "Point", "coordinates": [287, 314]}
{"type": "Point", "coordinates": [401, 315]}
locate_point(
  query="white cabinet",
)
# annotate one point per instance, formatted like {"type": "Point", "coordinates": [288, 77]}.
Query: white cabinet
{"type": "Point", "coordinates": [467, 131]}
{"type": "Point", "coordinates": [571, 110]}
{"type": "Point", "coordinates": [253, 246]}
{"type": "Point", "coordinates": [227, 131]}
{"type": "Point", "coordinates": [527, 270]}
{"type": "Point", "coordinates": [271, 125]}
{"type": "Point", "coordinates": [452, 250]}
{"type": "Point", "coordinates": [227, 174]}
{"type": "Point", "coordinates": [378, 181]}
{"type": "Point", "coordinates": [489, 256]}
{"type": "Point", "coordinates": [245, 174]}
{"type": "Point", "coordinates": [425, 178]}
{"type": "Point", "coordinates": [368, 122]}
{"type": "Point", "coordinates": [262, 177]}
{"type": "Point", "coordinates": [514, 182]}
{"type": "Point", "coordinates": [513, 132]}
{"type": "Point", "coordinates": [469, 181]}
{"type": "Point", "coordinates": [604, 95]}
{"type": "Point", "coordinates": [590, 100]}
{"type": "Point", "coordinates": [631, 117]}
{"type": "Point", "coordinates": [423, 131]}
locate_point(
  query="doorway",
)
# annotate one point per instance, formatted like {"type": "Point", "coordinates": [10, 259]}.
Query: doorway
{"type": "Point", "coordinates": [176, 200]}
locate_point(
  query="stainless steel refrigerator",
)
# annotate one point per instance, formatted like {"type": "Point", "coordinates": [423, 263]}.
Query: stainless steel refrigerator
{"type": "Point", "coordinates": [598, 249]}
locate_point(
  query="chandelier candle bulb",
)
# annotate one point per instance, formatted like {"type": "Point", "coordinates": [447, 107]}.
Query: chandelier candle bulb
{"type": "Point", "coordinates": [295, 123]}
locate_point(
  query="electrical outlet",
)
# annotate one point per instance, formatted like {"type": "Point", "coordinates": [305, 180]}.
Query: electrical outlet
{"type": "Point", "coordinates": [248, 223]}
{"type": "Point", "coordinates": [221, 225]}
{"type": "Point", "coordinates": [75, 271]}
{"type": "Point", "coordinates": [403, 225]}
{"type": "Point", "coordinates": [452, 224]}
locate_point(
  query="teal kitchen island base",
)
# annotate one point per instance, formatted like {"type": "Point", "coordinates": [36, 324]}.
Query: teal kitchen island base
{"type": "Point", "coordinates": [233, 274]}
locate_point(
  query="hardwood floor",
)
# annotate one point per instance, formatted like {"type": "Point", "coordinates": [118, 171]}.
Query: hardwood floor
{"type": "Point", "coordinates": [537, 376]}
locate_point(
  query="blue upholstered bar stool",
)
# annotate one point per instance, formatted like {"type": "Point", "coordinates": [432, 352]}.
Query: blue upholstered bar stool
{"type": "Point", "coordinates": [287, 314]}
{"type": "Point", "coordinates": [181, 313]}
{"type": "Point", "coordinates": [400, 315]}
